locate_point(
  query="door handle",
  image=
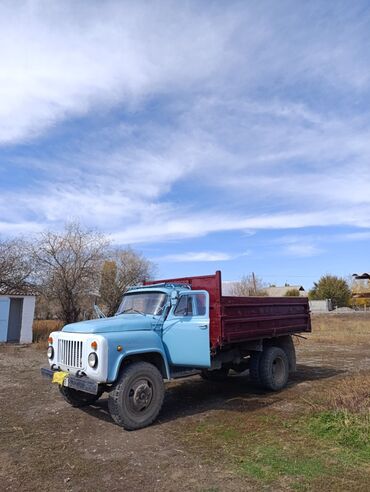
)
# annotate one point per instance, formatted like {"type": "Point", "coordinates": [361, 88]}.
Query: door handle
{"type": "Point", "coordinates": [203, 327]}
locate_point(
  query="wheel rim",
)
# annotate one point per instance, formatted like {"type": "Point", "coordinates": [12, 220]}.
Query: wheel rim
{"type": "Point", "coordinates": [140, 395]}
{"type": "Point", "coordinates": [278, 370]}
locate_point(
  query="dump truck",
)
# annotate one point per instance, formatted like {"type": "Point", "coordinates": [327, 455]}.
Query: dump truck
{"type": "Point", "coordinates": [169, 329]}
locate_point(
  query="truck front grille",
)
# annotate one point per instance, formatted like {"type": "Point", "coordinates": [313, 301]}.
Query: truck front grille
{"type": "Point", "coordinates": [70, 353]}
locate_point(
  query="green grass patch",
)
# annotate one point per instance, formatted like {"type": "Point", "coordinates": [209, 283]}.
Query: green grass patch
{"type": "Point", "coordinates": [323, 445]}
{"type": "Point", "coordinates": [269, 462]}
{"type": "Point", "coordinates": [348, 431]}
{"type": "Point", "coordinates": [324, 448]}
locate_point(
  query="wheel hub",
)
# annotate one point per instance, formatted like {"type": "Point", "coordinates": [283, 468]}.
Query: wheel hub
{"type": "Point", "coordinates": [140, 395]}
{"type": "Point", "coordinates": [278, 369]}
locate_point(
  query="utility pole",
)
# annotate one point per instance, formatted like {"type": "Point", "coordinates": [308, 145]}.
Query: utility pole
{"type": "Point", "coordinates": [254, 283]}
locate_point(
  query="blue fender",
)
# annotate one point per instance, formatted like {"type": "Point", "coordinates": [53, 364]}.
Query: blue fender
{"type": "Point", "coordinates": [132, 343]}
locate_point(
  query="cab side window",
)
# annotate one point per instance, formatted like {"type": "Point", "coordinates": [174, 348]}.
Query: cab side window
{"type": "Point", "coordinates": [200, 304]}
{"type": "Point", "coordinates": [184, 306]}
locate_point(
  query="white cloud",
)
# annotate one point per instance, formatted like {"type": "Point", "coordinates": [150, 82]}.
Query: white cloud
{"type": "Point", "coordinates": [197, 256]}
{"type": "Point", "coordinates": [20, 228]}
{"type": "Point", "coordinates": [302, 250]}
{"type": "Point", "coordinates": [66, 59]}
{"type": "Point", "coordinates": [281, 161]}
{"type": "Point", "coordinates": [165, 227]}
{"type": "Point", "coordinates": [60, 60]}
{"type": "Point", "coordinates": [296, 245]}
{"type": "Point", "coordinates": [355, 236]}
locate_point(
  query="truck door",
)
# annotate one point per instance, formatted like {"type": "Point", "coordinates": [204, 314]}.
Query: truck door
{"type": "Point", "coordinates": [186, 330]}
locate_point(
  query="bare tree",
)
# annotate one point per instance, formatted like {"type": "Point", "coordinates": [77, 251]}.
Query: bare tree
{"type": "Point", "coordinates": [125, 267]}
{"type": "Point", "coordinates": [249, 285]}
{"type": "Point", "coordinates": [16, 266]}
{"type": "Point", "coordinates": [69, 266]}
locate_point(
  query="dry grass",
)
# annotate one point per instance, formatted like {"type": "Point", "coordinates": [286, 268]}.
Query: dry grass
{"type": "Point", "coordinates": [42, 329]}
{"type": "Point", "coordinates": [351, 394]}
{"type": "Point", "coordinates": [348, 329]}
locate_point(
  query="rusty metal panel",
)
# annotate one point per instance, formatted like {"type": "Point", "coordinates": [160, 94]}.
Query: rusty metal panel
{"type": "Point", "coordinates": [248, 318]}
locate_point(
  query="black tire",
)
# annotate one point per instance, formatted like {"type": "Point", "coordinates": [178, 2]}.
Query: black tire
{"type": "Point", "coordinates": [217, 375]}
{"type": "Point", "coordinates": [254, 368]}
{"type": "Point", "coordinates": [273, 369]}
{"type": "Point", "coordinates": [286, 343]}
{"type": "Point", "coordinates": [78, 398]}
{"type": "Point", "coordinates": [136, 399]}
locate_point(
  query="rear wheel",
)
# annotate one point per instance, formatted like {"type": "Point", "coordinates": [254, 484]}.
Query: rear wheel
{"type": "Point", "coordinates": [254, 368]}
{"type": "Point", "coordinates": [136, 399]}
{"type": "Point", "coordinates": [273, 369]}
{"type": "Point", "coordinates": [217, 375]}
{"type": "Point", "coordinates": [78, 398]}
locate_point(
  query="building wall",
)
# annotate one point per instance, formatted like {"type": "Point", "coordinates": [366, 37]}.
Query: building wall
{"type": "Point", "coordinates": [4, 317]}
{"type": "Point", "coordinates": [27, 319]}
{"type": "Point", "coordinates": [323, 306]}
{"type": "Point", "coordinates": [28, 312]}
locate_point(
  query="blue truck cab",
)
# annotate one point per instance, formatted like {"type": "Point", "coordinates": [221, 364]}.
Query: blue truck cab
{"type": "Point", "coordinates": [159, 332]}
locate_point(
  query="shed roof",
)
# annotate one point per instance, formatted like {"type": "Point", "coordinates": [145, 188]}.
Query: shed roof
{"type": "Point", "coordinates": [281, 291]}
{"type": "Point", "coordinates": [25, 290]}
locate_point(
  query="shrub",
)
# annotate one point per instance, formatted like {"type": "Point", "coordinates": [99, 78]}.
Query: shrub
{"type": "Point", "coordinates": [331, 287]}
{"type": "Point", "coordinates": [292, 293]}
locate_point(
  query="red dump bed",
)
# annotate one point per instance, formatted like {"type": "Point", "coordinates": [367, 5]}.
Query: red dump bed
{"type": "Point", "coordinates": [239, 319]}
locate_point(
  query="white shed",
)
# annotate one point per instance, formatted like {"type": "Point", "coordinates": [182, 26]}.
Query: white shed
{"type": "Point", "coordinates": [17, 309]}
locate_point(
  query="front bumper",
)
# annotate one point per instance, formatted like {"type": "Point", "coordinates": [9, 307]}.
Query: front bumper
{"type": "Point", "coordinates": [82, 383]}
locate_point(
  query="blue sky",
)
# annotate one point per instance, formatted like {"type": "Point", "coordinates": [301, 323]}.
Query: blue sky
{"type": "Point", "coordinates": [208, 135]}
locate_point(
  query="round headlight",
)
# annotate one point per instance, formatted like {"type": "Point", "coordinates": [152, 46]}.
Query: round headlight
{"type": "Point", "coordinates": [50, 352]}
{"type": "Point", "coordinates": [92, 359]}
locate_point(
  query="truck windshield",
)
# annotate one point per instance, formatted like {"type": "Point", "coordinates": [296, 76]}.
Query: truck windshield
{"type": "Point", "coordinates": [143, 302]}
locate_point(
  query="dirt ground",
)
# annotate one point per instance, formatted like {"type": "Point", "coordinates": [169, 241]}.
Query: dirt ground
{"type": "Point", "coordinates": [47, 445]}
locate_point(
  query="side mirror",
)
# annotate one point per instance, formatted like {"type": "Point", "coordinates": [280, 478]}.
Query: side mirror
{"type": "Point", "coordinates": [174, 297]}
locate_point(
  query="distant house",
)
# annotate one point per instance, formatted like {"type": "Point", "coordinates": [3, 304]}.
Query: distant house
{"type": "Point", "coordinates": [361, 290]}
{"type": "Point", "coordinates": [17, 308]}
{"type": "Point", "coordinates": [281, 291]}
{"type": "Point", "coordinates": [228, 286]}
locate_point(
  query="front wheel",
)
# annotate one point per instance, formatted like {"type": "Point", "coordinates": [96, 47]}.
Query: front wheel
{"type": "Point", "coordinates": [78, 398]}
{"type": "Point", "coordinates": [136, 399]}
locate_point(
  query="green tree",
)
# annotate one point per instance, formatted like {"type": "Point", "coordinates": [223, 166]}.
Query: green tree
{"type": "Point", "coordinates": [331, 287]}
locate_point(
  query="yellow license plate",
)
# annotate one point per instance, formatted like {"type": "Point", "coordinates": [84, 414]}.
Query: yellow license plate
{"type": "Point", "coordinates": [60, 377]}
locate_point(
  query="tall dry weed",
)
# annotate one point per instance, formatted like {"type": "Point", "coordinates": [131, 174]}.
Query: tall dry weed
{"type": "Point", "coordinates": [42, 330]}
{"type": "Point", "coordinates": [351, 394]}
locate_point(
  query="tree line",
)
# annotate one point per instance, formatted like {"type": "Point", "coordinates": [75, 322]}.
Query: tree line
{"type": "Point", "coordinates": [327, 287]}
{"type": "Point", "coordinates": [70, 270]}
